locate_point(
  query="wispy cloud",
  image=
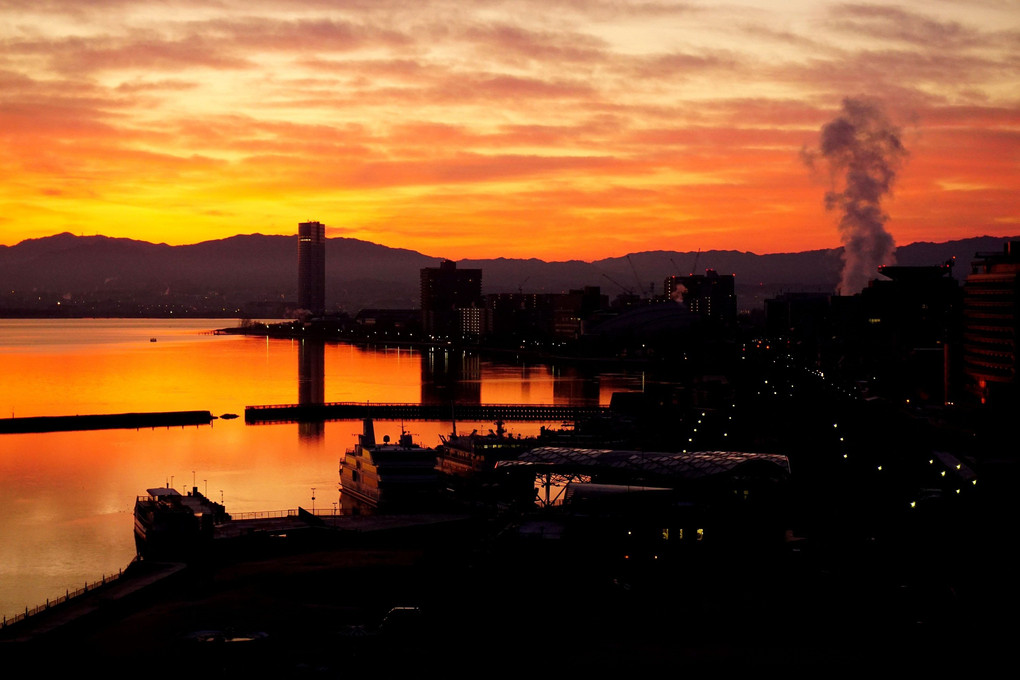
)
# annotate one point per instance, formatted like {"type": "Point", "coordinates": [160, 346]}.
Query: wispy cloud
{"type": "Point", "coordinates": [495, 126]}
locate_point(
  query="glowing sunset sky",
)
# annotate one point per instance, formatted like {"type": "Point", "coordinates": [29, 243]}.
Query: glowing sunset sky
{"type": "Point", "coordinates": [519, 128]}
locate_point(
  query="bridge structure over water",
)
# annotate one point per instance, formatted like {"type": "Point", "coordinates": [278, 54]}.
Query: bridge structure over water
{"type": "Point", "coordinates": [348, 410]}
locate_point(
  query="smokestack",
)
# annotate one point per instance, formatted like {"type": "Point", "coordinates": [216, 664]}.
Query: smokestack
{"type": "Point", "coordinates": [863, 152]}
{"type": "Point", "coordinates": [367, 432]}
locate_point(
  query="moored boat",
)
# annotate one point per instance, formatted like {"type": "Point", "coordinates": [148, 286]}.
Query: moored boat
{"type": "Point", "coordinates": [464, 455]}
{"type": "Point", "coordinates": [382, 478]}
{"type": "Point", "coordinates": [169, 525]}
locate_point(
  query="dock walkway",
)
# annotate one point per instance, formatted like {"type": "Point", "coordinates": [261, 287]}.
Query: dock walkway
{"type": "Point", "coordinates": [348, 410]}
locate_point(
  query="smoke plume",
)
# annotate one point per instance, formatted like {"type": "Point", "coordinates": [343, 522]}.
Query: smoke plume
{"type": "Point", "coordinates": [863, 152]}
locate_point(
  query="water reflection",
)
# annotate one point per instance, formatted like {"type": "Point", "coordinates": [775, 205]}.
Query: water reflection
{"type": "Point", "coordinates": [311, 385]}
{"type": "Point", "coordinates": [576, 386]}
{"type": "Point", "coordinates": [450, 377]}
{"type": "Point", "coordinates": [65, 516]}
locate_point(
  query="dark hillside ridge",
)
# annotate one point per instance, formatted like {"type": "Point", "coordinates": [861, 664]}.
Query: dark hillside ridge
{"type": "Point", "coordinates": [247, 269]}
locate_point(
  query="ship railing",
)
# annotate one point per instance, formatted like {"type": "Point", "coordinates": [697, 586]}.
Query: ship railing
{"type": "Point", "coordinates": [68, 595]}
{"type": "Point", "coordinates": [457, 454]}
{"type": "Point", "coordinates": [364, 492]}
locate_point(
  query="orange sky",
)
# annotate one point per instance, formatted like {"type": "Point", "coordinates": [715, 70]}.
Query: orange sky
{"type": "Point", "coordinates": [519, 128]}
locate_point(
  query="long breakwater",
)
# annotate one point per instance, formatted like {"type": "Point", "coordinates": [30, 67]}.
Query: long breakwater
{"type": "Point", "coordinates": [106, 421]}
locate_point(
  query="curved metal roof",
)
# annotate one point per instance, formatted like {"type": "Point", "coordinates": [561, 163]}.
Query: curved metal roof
{"type": "Point", "coordinates": [647, 320]}
{"type": "Point", "coordinates": [694, 465]}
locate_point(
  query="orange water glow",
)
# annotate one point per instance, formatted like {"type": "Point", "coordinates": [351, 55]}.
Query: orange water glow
{"type": "Point", "coordinates": [65, 516]}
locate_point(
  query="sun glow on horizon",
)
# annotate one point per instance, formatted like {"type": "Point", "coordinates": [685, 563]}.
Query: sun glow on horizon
{"type": "Point", "coordinates": [508, 129]}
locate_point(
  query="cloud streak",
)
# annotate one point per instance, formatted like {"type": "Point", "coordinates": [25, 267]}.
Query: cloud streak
{"type": "Point", "coordinates": [514, 124]}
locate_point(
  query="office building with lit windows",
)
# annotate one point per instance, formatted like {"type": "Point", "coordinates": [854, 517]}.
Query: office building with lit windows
{"type": "Point", "coordinates": [445, 292]}
{"type": "Point", "coordinates": [991, 325]}
{"type": "Point", "coordinates": [710, 295]}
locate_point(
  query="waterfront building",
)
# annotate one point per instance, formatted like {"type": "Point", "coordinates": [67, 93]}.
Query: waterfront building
{"type": "Point", "coordinates": [312, 268]}
{"type": "Point", "coordinates": [445, 290]}
{"type": "Point", "coordinates": [520, 317]}
{"type": "Point", "coordinates": [991, 309]}
{"type": "Point", "coordinates": [384, 324]}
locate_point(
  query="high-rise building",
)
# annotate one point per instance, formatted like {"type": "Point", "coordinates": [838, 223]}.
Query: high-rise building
{"type": "Point", "coordinates": [312, 267]}
{"type": "Point", "coordinates": [902, 329]}
{"type": "Point", "coordinates": [517, 317]}
{"type": "Point", "coordinates": [445, 290]}
{"type": "Point", "coordinates": [991, 325]}
{"type": "Point", "coordinates": [712, 296]}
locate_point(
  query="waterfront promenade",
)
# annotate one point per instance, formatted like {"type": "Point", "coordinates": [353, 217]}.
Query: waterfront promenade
{"type": "Point", "coordinates": [289, 530]}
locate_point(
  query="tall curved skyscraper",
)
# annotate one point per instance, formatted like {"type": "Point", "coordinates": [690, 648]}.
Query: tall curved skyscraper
{"type": "Point", "coordinates": [312, 267]}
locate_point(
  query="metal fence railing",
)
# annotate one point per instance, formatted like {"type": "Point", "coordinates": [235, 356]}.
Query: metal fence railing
{"type": "Point", "coordinates": [68, 595]}
{"type": "Point", "coordinates": [266, 514]}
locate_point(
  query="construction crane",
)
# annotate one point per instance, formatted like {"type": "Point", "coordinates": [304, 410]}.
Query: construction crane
{"type": "Point", "coordinates": [624, 288]}
{"type": "Point", "coordinates": [640, 287]}
{"type": "Point", "coordinates": [636, 277]}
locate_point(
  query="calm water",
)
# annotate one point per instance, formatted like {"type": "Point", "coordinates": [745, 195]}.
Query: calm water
{"type": "Point", "coordinates": [65, 510]}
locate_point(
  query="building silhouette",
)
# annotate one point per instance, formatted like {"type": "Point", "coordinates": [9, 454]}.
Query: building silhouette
{"type": "Point", "coordinates": [446, 292]}
{"type": "Point", "coordinates": [573, 310]}
{"type": "Point", "coordinates": [312, 267]}
{"type": "Point", "coordinates": [710, 295]}
{"type": "Point", "coordinates": [801, 316]}
{"type": "Point", "coordinates": [895, 339]}
{"type": "Point", "coordinates": [906, 327]}
{"type": "Point", "coordinates": [991, 309]}
{"type": "Point", "coordinates": [520, 317]}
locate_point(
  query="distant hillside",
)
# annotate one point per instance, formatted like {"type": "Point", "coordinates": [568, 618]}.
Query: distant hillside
{"type": "Point", "coordinates": [242, 270]}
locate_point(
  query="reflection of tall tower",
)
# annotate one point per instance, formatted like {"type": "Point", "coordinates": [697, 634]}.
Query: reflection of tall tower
{"type": "Point", "coordinates": [311, 382]}
{"type": "Point", "coordinates": [312, 267]}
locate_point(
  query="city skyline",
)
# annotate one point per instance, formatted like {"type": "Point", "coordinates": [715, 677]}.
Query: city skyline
{"type": "Point", "coordinates": [507, 129]}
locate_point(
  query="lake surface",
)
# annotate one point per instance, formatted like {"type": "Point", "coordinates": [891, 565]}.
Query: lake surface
{"type": "Point", "coordinates": [68, 497]}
